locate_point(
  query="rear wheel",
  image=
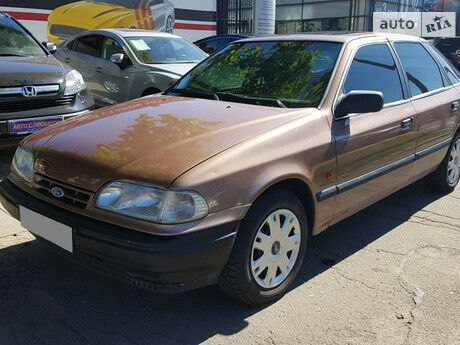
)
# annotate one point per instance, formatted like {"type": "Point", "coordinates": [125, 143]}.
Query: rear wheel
{"type": "Point", "coordinates": [169, 25]}
{"type": "Point", "coordinates": [446, 177]}
{"type": "Point", "coordinates": [268, 250]}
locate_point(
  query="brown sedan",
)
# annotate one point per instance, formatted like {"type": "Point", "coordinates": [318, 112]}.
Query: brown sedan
{"type": "Point", "coordinates": [222, 178]}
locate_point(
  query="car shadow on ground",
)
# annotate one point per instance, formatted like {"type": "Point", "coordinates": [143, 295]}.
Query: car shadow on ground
{"type": "Point", "coordinates": [45, 299]}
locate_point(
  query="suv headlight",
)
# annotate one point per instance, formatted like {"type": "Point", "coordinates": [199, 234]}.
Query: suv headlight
{"type": "Point", "coordinates": [74, 83]}
{"type": "Point", "coordinates": [150, 203]}
{"type": "Point", "coordinates": [23, 164]}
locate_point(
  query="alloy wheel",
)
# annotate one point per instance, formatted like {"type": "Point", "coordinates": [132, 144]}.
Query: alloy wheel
{"type": "Point", "coordinates": [453, 164]}
{"type": "Point", "coordinates": [275, 248]}
{"type": "Point", "coordinates": [169, 25]}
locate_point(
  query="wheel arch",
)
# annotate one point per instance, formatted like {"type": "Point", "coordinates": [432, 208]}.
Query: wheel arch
{"type": "Point", "coordinates": [299, 187]}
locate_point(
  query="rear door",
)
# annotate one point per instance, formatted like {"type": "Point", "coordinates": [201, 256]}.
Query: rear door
{"type": "Point", "coordinates": [83, 57]}
{"type": "Point", "coordinates": [436, 101]}
{"type": "Point", "coordinates": [375, 151]}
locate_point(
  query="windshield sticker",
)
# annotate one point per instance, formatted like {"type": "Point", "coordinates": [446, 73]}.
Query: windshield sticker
{"type": "Point", "coordinates": [140, 45]}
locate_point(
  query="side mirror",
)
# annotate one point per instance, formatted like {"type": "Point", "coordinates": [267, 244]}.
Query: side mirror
{"type": "Point", "coordinates": [118, 58]}
{"type": "Point", "coordinates": [50, 46]}
{"type": "Point", "coordinates": [356, 102]}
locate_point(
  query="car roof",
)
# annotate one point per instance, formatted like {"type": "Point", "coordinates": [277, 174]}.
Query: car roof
{"type": "Point", "coordinates": [342, 37]}
{"type": "Point", "coordinates": [132, 33]}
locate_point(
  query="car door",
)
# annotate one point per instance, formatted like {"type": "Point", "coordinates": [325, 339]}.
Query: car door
{"type": "Point", "coordinates": [435, 100]}
{"type": "Point", "coordinates": [375, 151]}
{"type": "Point", "coordinates": [83, 56]}
{"type": "Point", "coordinates": [112, 79]}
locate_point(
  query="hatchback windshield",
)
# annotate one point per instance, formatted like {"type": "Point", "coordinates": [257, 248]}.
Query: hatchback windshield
{"type": "Point", "coordinates": [291, 74]}
{"type": "Point", "coordinates": [165, 50]}
{"type": "Point", "coordinates": [14, 41]}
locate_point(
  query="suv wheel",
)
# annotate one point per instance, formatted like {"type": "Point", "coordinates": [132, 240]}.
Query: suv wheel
{"type": "Point", "coordinates": [446, 177]}
{"type": "Point", "coordinates": [268, 251]}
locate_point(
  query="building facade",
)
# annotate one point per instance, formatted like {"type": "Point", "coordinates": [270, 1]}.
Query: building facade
{"type": "Point", "coordinates": [294, 16]}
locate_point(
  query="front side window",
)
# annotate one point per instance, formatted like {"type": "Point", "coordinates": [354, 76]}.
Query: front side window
{"type": "Point", "coordinates": [374, 69]}
{"type": "Point", "coordinates": [88, 45]}
{"type": "Point", "coordinates": [111, 47]}
{"type": "Point", "coordinates": [164, 50]}
{"type": "Point", "coordinates": [15, 41]}
{"type": "Point", "coordinates": [422, 71]}
{"type": "Point", "coordinates": [294, 74]}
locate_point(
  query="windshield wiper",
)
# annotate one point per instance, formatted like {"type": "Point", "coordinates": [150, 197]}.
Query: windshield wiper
{"type": "Point", "coordinates": [194, 93]}
{"type": "Point", "coordinates": [251, 100]}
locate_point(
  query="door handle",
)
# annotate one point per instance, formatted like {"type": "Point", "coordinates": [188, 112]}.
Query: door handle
{"type": "Point", "coordinates": [67, 60]}
{"type": "Point", "coordinates": [454, 107]}
{"type": "Point", "coordinates": [98, 69]}
{"type": "Point", "coordinates": [406, 124]}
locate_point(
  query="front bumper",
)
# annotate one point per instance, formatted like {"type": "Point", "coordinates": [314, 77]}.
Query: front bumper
{"type": "Point", "coordinates": [164, 264]}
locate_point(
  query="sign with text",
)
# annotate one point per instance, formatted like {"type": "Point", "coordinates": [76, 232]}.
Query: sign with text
{"type": "Point", "coordinates": [264, 20]}
{"type": "Point", "coordinates": [421, 24]}
{"type": "Point", "coordinates": [438, 24]}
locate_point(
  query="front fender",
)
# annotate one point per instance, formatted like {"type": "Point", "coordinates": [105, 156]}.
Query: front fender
{"type": "Point", "coordinates": [302, 149]}
{"type": "Point", "coordinates": [143, 81]}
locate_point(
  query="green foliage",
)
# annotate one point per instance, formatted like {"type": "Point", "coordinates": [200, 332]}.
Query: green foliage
{"type": "Point", "coordinates": [295, 72]}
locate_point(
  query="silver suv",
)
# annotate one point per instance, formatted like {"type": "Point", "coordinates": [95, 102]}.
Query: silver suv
{"type": "Point", "coordinates": [123, 64]}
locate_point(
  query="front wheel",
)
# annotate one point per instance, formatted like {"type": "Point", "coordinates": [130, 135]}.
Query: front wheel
{"type": "Point", "coordinates": [446, 177]}
{"type": "Point", "coordinates": [268, 251]}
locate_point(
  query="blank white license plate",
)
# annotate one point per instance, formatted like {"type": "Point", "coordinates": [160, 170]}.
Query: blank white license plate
{"type": "Point", "coordinates": [55, 232]}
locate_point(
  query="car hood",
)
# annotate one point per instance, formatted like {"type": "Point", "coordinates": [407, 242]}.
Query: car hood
{"type": "Point", "coordinates": [90, 15]}
{"type": "Point", "coordinates": [178, 69]}
{"type": "Point", "coordinates": [21, 71]}
{"type": "Point", "coordinates": [154, 139]}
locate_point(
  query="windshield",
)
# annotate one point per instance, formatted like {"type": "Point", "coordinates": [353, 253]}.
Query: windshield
{"type": "Point", "coordinates": [164, 50]}
{"type": "Point", "coordinates": [14, 41]}
{"type": "Point", "coordinates": [291, 74]}
{"type": "Point", "coordinates": [123, 3]}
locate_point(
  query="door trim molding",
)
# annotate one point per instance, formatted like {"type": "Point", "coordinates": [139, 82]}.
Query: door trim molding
{"type": "Point", "coordinates": [357, 181]}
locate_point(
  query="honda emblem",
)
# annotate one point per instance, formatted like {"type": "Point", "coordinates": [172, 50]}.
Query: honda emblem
{"type": "Point", "coordinates": [29, 91]}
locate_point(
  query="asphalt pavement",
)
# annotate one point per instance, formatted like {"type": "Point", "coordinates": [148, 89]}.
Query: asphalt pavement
{"type": "Point", "coordinates": [388, 275]}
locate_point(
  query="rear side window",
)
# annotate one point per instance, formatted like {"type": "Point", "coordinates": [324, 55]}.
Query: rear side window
{"type": "Point", "coordinates": [374, 69]}
{"type": "Point", "coordinates": [422, 71]}
{"type": "Point", "coordinates": [88, 45]}
{"type": "Point", "coordinates": [451, 73]}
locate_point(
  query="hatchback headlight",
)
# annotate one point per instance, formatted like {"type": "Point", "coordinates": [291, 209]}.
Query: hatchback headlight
{"type": "Point", "coordinates": [74, 83]}
{"type": "Point", "coordinates": [150, 203]}
{"type": "Point", "coordinates": [23, 164]}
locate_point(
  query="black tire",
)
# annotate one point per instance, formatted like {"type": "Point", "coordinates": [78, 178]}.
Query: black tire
{"type": "Point", "coordinates": [439, 179]}
{"type": "Point", "coordinates": [237, 280]}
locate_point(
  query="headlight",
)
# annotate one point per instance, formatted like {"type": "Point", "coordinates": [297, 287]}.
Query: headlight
{"type": "Point", "coordinates": [23, 164]}
{"type": "Point", "coordinates": [152, 204]}
{"type": "Point", "coordinates": [74, 83]}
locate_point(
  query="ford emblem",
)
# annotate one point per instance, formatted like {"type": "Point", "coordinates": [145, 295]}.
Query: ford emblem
{"type": "Point", "coordinates": [57, 192]}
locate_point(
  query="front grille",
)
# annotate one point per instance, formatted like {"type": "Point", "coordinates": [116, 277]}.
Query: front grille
{"type": "Point", "coordinates": [72, 196]}
{"type": "Point", "coordinates": [64, 30]}
{"type": "Point", "coordinates": [26, 104]}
